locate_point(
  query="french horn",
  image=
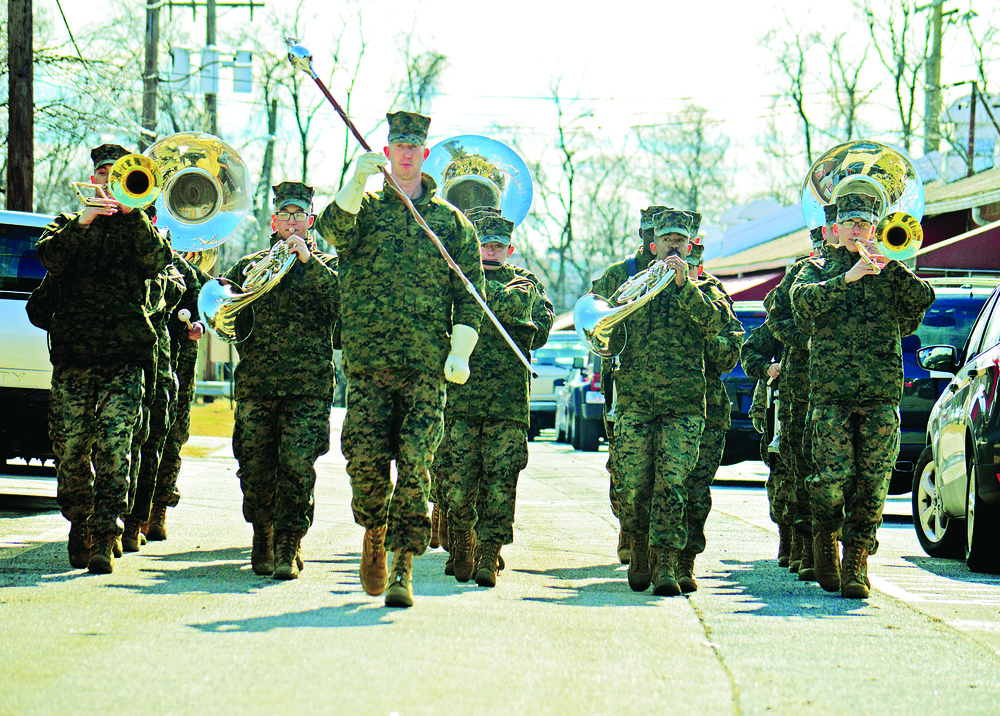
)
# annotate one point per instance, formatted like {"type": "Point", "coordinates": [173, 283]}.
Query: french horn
{"type": "Point", "coordinates": [867, 167]}
{"type": "Point", "coordinates": [474, 171]}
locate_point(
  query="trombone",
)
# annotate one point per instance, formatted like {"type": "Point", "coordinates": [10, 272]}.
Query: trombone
{"type": "Point", "coordinates": [134, 181]}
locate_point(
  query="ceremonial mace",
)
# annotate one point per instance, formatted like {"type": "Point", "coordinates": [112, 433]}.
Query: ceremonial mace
{"type": "Point", "coordinates": [301, 59]}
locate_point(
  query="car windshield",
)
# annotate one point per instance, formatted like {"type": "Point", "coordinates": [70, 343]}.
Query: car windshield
{"type": "Point", "coordinates": [946, 323]}
{"type": "Point", "coordinates": [560, 352]}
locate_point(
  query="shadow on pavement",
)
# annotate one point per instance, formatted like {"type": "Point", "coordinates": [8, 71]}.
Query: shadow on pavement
{"type": "Point", "coordinates": [355, 614]}
{"type": "Point", "coordinates": [764, 589]}
{"type": "Point", "coordinates": [955, 569]}
{"type": "Point", "coordinates": [603, 586]}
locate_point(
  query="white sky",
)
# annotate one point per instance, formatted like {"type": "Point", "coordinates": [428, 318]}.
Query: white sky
{"type": "Point", "coordinates": [632, 61]}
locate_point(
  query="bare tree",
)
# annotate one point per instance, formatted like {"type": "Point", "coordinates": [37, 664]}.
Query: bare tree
{"type": "Point", "coordinates": [795, 83]}
{"type": "Point", "coordinates": [902, 49]}
{"type": "Point", "coordinates": [845, 75]}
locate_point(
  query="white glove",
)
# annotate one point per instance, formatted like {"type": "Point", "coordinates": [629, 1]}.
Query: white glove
{"type": "Point", "coordinates": [349, 197]}
{"type": "Point", "coordinates": [463, 341]}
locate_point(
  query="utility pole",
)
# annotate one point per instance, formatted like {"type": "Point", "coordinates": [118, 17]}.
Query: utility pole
{"type": "Point", "coordinates": [150, 74]}
{"type": "Point", "coordinates": [932, 76]}
{"type": "Point", "coordinates": [211, 100]}
{"type": "Point", "coordinates": [20, 108]}
{"type": "Point", "coordinates": [971, 169]}
{"type": "Point", "coordinates": [264, 186]}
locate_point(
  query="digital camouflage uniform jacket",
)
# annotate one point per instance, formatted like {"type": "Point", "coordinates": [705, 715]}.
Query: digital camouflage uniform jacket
{"type": "Point", "coordinates": [400, 298]}
{"type": "Point", "coordinates": [498, 384]}
{"type": "Point", "coordinates": [722, 352]}
{"type": "Point", "coordinates": [182, 347]}
{"type": "Point", "coordinates": [102, 271]}
{"type": "Point", "coordinates": [662, 367]}
{"type": "Point", "coordinates": [856, 353]}
{"type": "Point", "coordinates": [289, 351]}
{"type": "Point", "coordinates": [782, 325]}
{"type": "Point", "coordinates": [165, 293]}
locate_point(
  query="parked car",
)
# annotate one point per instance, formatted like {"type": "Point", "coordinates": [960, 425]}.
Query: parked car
{"type": "Point", "coordinates": [948, 321]}
{"type": "Point", "coordinates": [956, 484]}
{"type": "Point", "coordinates": [742, 441]}
{"type": "Point", "coordinates": [553, 364]}
{"type": "Point", "coordinates": [25, 371]}
{"type": "Point", "coordinates": [580, 405]}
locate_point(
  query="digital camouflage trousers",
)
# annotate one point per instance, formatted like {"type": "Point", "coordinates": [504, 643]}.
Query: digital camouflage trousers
{"type": "Point", "coordinates": [476, 467]}
{"type": "Point", "coordinates": [277, 442]}
{"type": "Point", "coordinates": [699, 482]}
{"type": "Point", "coordinates": [655, 457]}
{"type": "Point", "coordinates": [854, 447]}
{"type": "Point", "coordinates": [147, 446]}
{"type": "Point", "coordinates": [92, 413]}
{"type": "Point", "coordinates": [180, 430]}
{"type": "Point", "coordinates": [393, 414]}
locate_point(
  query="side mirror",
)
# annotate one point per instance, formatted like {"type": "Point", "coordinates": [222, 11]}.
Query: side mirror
{"type": "Point", "coordinates": [558, 382]}
{"type": "Point", "coordinates": [942, 358]}
{"type": "Point", "coordinates": [579, 362]}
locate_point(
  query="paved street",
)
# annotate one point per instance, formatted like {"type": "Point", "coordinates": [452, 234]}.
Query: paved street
{"type": "Point", "coordinates": [185, 627]}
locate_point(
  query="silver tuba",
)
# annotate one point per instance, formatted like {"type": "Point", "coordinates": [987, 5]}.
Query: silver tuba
{"type": "Point", "coordinates": [868, 167]}
{"type": "Point", "coordinates": [206, 190]}
{"type": "Point", "coordinates": [474, 171]}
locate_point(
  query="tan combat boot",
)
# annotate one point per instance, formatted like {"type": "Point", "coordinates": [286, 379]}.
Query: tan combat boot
{"type": "Point", "coordinates": [102, 555]}
{"type": "Point", "coordinates": [624, 549]}
{"type": "Point", "coordinates": [435, 527]}
{"type": "Point", "coordinates": [807, 570]}
{"type": "Point", "coordinates": [286, 564]}
{"type": "Point", "coordinates": [786, 537]}
{"type": "Point", "coordinates": [639, 571]}
{"type": "Point", "coordinates": [443, 533]}
{"type": "Point", "coordinates": [374, 572]}
{"type": "Point", "coordinates": [665, 580]}
{"type": "Point", "coordinates": [463, 547]}
{"type": "Point", "coordinates": [684, 570]}
{"type": "Point", "coordinates": [826, 558]}
{"type": "Point", "coordinates": [80, 544]}
{"type": "Point", "coordinates": [854, 571]}
{"type": "Point", "coordinates": [795, 551]}
{"type": "Point", "coordinates": [262, 552]}
{"type": "Point", "coordinates": [487, 565]}
{"type": "Point", "coordinates": [400, 590]}
{"type": "Point", "coordinates": [156, 529]}
{"type": "Point", "coordinates": [130, 537]}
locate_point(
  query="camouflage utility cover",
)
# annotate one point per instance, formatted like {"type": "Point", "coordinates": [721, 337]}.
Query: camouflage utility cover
{"type": "Point", "coordinates": [102, 271]}
{"type": "Point", "coordinates": [856, 353]}
{"type": "Point", "coordinates": [399, 297]}
{"type": "Point", "coordinates": [498, 384]}
{"type": "Point", "coordinates": [662, 368]}
{"type": "Point", "coordinates": [289, 351]}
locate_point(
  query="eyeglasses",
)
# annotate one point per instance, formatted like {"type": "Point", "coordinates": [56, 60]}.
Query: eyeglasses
{"type": "Point", "coordinates": [286, 215]}
{"type": "Point", "coordinates": [856, 224]}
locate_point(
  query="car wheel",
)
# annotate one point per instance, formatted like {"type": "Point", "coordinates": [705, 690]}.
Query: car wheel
{"type": "Point", "coordinates": [590, 434]}
{"type": "Point", "coordinates": [574, 433]}
{"type": "Point", "coordinates": [560, 433]}
{"type": "Point", "coordinates": [939, 535]}
{"type": "Point", "coordinates": [982, 531]}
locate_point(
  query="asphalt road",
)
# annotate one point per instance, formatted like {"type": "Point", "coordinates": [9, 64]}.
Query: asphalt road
{"type": "Point", "coordinates": [185, 627]}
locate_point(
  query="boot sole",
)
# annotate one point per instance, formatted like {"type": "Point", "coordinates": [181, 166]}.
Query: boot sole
{"type": "Point", "coordinates": [687, 585]}
{"type": "Point", "coordinates": [285, 572]}
{"type": "Point", "coordinates": [80, 560]}
{"type": "Point", "coordinates": [264, 569]}
{"type": "Point", "coordinates": [398, 597]}
{"type": "Point", "coordinates": [101, 565]}
{"type": "Point", "coordinates": [807, 575]}
{"type": "Point", "coordinates": [668, 588]}
{"type": "Point", "coordinates": [486, 578]}
{"type": "Point", "coordinates": [640, 583]}
{"type": "Point", "coordinates": [855, 591]}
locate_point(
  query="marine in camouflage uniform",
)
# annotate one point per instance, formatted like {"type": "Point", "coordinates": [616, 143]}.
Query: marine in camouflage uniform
{"type": "Point", "coordinates": [284, 387]}
{"type": "Point", "coordinates": [99, 342]}
{"type": "Point", "coordinates": [856, 384]}
{"type": "Point", "coordinates": [408, 324]}
{"type": "Point", "coordinates": [661, 406]}
{"type": "Point", "coordinates": [165, 292]}
{"type": "Point", "coordinates": [183, 358]}
{"type": "Point", "coordinates": [722, 353]}
{"type": "Point", "coordinates": [485, 443]}
{"type": "Point", "coordinates": [795, 529]}
{"type": "Point", "coordinates": [606, 285]}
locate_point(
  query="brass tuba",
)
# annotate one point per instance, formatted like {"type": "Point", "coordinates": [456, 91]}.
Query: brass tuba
{"type": "Point", "coordinates": [474, 171]}
{"type": "Point", "coordinates": [868, 167]}
{"type": "Point", "coordinates": [600, 322]}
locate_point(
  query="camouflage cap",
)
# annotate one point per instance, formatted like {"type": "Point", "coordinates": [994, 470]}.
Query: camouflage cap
{"type": "Point", "coordinates": [647, 215]}
{"type": "Point", "coordinates": [694, 257]}
{"type": "Point", "coordinates": [494, 230]}
{"type": "Point", "coordinates": [830, 213]}
{"type": "Point", "coordinates": [816, 237]}
{"type": "Point", "coordinates": [107, 154]}
{"type": "Point", "coordinates": [858, 206]}
{"type": "Point", "coordinates": [475, 213]}
{"type": "Point", "coordinates": [292, 192]}
{"type": "Point", "coordinates": [407, 127]}
{"type": "Point", "coordinates": [675, 221]}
